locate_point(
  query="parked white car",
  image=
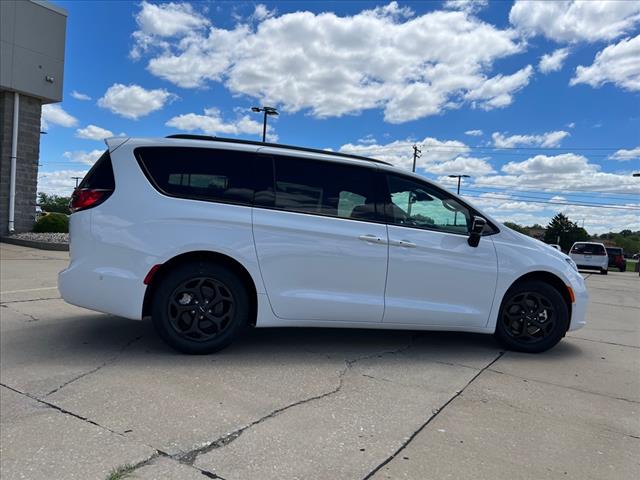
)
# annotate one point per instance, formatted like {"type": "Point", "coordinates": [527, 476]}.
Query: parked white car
{"type": "Point", "coordinates": [207, 236]}
{"type": "Point", "coordinates": [590, 256]}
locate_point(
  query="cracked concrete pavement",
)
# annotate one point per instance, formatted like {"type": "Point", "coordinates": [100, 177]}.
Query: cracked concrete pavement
{"type": "Point", "coordinates": [83, 393]}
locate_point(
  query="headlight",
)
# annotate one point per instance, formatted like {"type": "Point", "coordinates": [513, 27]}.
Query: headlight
{"type": "Point", "coordinates": [572, 263]}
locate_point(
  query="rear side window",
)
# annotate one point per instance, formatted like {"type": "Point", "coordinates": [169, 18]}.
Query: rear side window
{"type": "Point", "coordinates": [614, 251]}
{"type": "Point", "coordinates": [100, 177]}
{"type": "Point", "coordinates": [324, 188]}
{"type": "Point", "coordinates": [200, 173]}
{"type": "Point", "coordinates": [588, 249]}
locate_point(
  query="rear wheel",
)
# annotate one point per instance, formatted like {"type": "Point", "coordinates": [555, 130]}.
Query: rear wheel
{"type": "Point", "coordinates": [533, 317]}
{"type": "Point", "coordinates": [604, 272]}
{"type": "Point", "coordinates": [200, 307]}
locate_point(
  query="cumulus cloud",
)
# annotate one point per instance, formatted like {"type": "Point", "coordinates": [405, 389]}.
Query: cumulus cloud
{"type": "Point", "coordinates": [498, 91]}
{"type": "Point", "coordinates": [59, 182]}
{"type": "Point", "coordinates": [543, 164]}
{"type": "Point", "coordinates": [552, 62]}
{"type": "Point", "coordinates": [576, 20]}
{"type": "Point", "coordinates": [80, 96]}
{"type": "Point", "coordinates": [625, 155]}
{"type": "Point", "coordinates": [618, 64]}
{"type": "Point", "coordinates": [470, 6]}
{"type": "Point", "coordinates": [133, 101]}
{"type": "Point", "coordinates": [93, 132]}
{"type": "Point", "coordinates": [81, 156]}
{"type": "Point", "coordinates": [410, 66]}
{"type": "Point", "coordinates": [548, 139]}
{"type": "Point", "coordinates": [474, 133]}
{"type": "Point", "coordinates": [212, 123]}
{"type": "Point", "coordinates": [54, 114]}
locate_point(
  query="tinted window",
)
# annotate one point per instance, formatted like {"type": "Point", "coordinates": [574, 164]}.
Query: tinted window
{"type": "Point", "coordinates": [101, 175]}
{"type": "Point", "coordinates": [588, 249]}
{"type": "Point", "coordinates": [614, 251]}
{"type": "Point", "coordinates": [415, 204]}
{"type": "Point", "coordinates": [200, 173]}
{"type": "Point", "coordinates": [324, 188]}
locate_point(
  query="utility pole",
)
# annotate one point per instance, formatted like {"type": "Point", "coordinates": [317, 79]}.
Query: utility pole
{"type": "Point", "coordinates": [417, 153]}
{"type": "Point", "coordinates": [459, 177]}
{"type": "Point", "coordinates": [76, 179]}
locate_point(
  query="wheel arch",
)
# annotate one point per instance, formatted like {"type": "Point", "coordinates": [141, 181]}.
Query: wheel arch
{"type": "Point", "coordinates": [202, 255]}
{"type": "Point", "coordinates": [549, 278]}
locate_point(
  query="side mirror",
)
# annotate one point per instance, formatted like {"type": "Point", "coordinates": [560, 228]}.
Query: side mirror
{"type": "Point", "coordinates": [476, 231]}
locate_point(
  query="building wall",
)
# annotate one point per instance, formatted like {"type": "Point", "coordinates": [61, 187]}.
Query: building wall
{"type": "Point", "coordinates": [27, 160]}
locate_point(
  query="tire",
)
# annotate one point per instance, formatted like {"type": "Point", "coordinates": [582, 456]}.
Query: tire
{"type": "Point", "coordinates": [541, 333]}
{"type": "Point", "coordinates": [186, 295]}
{"type": "Point", "coordinates": [623, 268]}
{"type": "Point", "coordinates": [604, 272]}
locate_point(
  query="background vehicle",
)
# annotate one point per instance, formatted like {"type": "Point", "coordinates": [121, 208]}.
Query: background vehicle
{"type": "Point", "coordinates": [616, 258]}
{"type": "Point", "coordinates": [556, 246]}
{"type": "Point", "coordinates": [208, 236]}
{"type": "Point", "coordinates": [590, 256]}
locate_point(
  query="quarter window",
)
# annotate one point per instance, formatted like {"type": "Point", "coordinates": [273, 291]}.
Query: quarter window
{"type": "Point", "coordinates": [324, 188]}
{"type": "Point", "coordinates": [418, 205]}
{"type": "Point", "coordinates": [200, 173]}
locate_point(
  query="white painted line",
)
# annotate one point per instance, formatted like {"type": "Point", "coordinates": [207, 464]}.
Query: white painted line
{"type": "Point", "coordinates": [28, 290]}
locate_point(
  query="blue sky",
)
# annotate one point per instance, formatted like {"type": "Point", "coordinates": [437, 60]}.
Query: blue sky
{"type": "Point", "coordinates": [462, 79]}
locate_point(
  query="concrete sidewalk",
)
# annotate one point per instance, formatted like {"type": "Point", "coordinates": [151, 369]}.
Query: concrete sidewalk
{"type": "Point", "coordinates": [84, 393]}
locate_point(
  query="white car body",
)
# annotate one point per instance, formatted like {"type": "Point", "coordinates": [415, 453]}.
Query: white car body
{"type": "Point", "coordinates": [590, 255]}
{"type": "Point", "coordinates": [308, 270]}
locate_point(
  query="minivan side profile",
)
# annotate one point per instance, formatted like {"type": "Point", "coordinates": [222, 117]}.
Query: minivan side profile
{"type": "Point", "coordinates": [208, 236]}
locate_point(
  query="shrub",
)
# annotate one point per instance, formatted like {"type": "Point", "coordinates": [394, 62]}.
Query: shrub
{"type": "Point", "coordinates": [52, 223]}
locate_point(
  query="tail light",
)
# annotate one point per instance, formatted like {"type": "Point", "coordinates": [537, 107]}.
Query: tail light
{"type": "Point", "coordinates": [85, 198]}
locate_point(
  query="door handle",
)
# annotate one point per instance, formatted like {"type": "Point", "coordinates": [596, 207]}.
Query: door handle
{"type": "Point", "coordinates": [371, 239]}
{"type": "Point", "coordinates": [402, 243]}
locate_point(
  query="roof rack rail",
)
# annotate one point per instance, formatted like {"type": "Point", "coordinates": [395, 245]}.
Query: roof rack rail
{"type": "Point", "coordinates": [187, 136]}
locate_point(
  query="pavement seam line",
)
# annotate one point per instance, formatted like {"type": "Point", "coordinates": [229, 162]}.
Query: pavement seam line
{"type": "Point", "coordinates": [576, 389]}
{"type": "Point", "coordinates": [603, 341]}
{"type": "Point", "coordinates": [437, 412]}
{"type": "Point", "coordinates": [99, 367]}
{"type": "Point", "coordinates": [190, 457]}
{"type": "Point", "coordinates": [30, 300]}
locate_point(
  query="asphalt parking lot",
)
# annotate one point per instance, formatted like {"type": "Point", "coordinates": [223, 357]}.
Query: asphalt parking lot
{"type": "Point", "coordinates": [85, 393]}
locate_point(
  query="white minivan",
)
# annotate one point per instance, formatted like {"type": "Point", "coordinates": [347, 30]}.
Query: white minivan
{"type": "Point", "coordinates": [590, 256]}
{"type": "Point", "coordinates": [208, 236]}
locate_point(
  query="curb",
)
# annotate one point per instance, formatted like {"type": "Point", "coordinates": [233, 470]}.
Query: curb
{"type": "Point", "coordinates": [61, 247]}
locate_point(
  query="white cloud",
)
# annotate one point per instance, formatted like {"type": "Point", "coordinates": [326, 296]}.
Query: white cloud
{"type": "Point", "coordinates": [133, 101]}
{"type": "Point", "coordinates": [497, 92]}
{"type": "Point", "coordinates": [474, 133]}
{"type": "Point", "coordinates": [575, 21]}
{"type": "Point", "coordinates": [571, 125]}
{"type": "Point", "coordinates": [470, 6]}
{"type": "Point", "coordinates": [93, 132]}
{"type": "Point", "coordinates": [388, 58]}
{"type": "Point", "coordinates": [543, 164]}
{"type": "Point", "coordinates": [54, 114]}
{"type": "Point", "coordinates": [81, 156]}
{"type": "Point", "coordinates": [548, 139]}
{"type": "Point", "coordinates": [461, 166]}
{"type": "Point", "coordinates": [625, 155]}
{"type": "Point", "coordinates": [59, 182]}
{"type": "Point", "coordinates": [80, 96]}
{"type": "Point", "coordinates": [618, 64]}
{"type": "Point", "coordinates": [261, 12]}
{"type": "Point", "coordinates": [552, 62]}
{"type": "Point", "coordinates": [212, 123]}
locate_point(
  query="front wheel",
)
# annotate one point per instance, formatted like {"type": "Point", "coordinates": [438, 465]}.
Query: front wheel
{"type": "Point", "coordinates": [533, 317]}
{"type": "Point", "coordinates": [604, 272]}
{"type": "Point", "coordinates": [200, 307]}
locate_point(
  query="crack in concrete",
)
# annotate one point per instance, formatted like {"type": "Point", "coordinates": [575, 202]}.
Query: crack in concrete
{"type": "Point", "coordinates": [99, 367]}
{"type": "Point", "coordinates": [603, 341]}
{"type": "Point", "coordinates": [190, 457]}
{"type": "Point", "coordinates": [30, 300]}
{"type": "Point", "coordinates": [32, 317]}
{"type": "Point", "coordinates": [576, 389]}
{"type": "Point", "coordinates": [435, 412]}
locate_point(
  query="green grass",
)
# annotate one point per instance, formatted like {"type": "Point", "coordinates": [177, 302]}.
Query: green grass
{"type": "Point", "coordinates": [121, 472]}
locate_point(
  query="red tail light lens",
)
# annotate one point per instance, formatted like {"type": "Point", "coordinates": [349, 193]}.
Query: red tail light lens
{"type": "Point", "coordinates": [84, 198]}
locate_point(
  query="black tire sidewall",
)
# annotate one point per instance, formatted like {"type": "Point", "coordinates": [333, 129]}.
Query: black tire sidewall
{"type": "Point", "coordinates": [559, 305]}
{"type": "Point", "coordinates": [179, 275]}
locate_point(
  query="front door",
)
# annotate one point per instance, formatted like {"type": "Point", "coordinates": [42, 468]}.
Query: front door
{"type": "Point", "coordinates": [434, 277]}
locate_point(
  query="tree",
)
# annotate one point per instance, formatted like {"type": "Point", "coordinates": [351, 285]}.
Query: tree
{"type": "Point", "coordinates": [54, 203]}
{"type": "Point", "coordinates": [566, 231]}
{"type": "Point", "coordinates": [516, 227]}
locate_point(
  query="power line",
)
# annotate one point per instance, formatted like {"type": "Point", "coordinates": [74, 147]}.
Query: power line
{"type": "Point", "coordinates": [552, 202]}
{"type": "Point", "coordinates": [536, 194]}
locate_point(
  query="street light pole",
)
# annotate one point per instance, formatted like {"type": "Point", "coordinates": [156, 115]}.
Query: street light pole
{"type": "Point", "coordinates": [459, 177]}
{"type": "Point", "coordinates": [267, 111]}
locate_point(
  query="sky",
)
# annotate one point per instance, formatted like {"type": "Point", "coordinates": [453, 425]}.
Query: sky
{"type": "Point", "coordinates": [538, 102]}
